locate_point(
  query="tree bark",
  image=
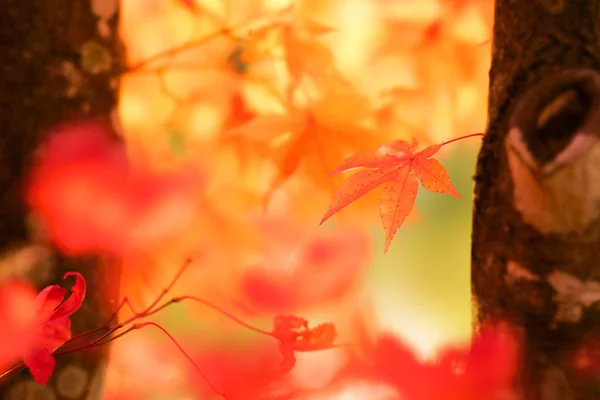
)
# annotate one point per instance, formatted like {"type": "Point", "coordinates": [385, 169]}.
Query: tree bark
{"type": "Point", "coordinates": [536, 228]}
{"type": "Point", "coordinates": [57, 62]}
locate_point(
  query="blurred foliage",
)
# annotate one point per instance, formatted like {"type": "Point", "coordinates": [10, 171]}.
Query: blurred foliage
{"type": "Point", "coordinates": [260, 99]}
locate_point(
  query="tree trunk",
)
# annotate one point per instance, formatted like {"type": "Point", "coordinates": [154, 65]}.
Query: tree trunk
{"type": "Point", "coordinates": [536, 228]}
{"type": "Point", "coordinates": [57, 62]}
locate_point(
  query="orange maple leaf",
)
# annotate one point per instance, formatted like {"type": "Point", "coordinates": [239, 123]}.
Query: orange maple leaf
{"type": "Point", "coordinates": [313, 139]}
{"type": "Point", "coordinates": [295, 40]}
{"type": "Point", "coordinates": [429, 41]}
{"type": "Point", "coordinates": [400, 170]}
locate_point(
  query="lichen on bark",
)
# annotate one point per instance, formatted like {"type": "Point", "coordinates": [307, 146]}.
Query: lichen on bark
{"type": "Point", "coordinates": [37, 40]}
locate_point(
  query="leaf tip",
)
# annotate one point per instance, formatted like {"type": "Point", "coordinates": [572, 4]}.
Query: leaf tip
{"type": "Point", "coordinates": [386, 246]}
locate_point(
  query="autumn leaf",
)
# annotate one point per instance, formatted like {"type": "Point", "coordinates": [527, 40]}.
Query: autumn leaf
{"type": "Point", "coordinates": [424, 42]}
{"type": "Point", "coordinates": [306, 56]}
{"type": "Point", "coordinates": [399, 170]}
{"type": "Point", "coordinates": [303, 54]}
{"type": "Point", "coordinates": [294, 334]}
{"type": "Point", "coordinates": [314, 139]}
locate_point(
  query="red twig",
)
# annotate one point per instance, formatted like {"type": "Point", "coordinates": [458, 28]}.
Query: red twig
{"type": "Point", "coordinates": [214, 307]}
{"type": "Point", "coordinates": [141, 325]}
{"type": "Point", "coordinates": [461, 138]}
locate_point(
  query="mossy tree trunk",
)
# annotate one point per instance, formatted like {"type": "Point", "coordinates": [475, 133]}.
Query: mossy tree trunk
{"type": "Point", "coordinates": [56, 62]}
{"type": "Point", "coordinates": [536, 229]}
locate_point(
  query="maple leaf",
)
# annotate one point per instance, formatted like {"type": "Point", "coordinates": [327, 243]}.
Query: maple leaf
{"type": "Point", "coordinates": [294, 334]}
{"type": "Point", "coordinates": [399, 170]}
{"type": "Point", "coordinates": [426, 42]}
{"type": "Point", "coordinates": [313, 139]}
{"type": "Point", "coordinates": [297, 40]}
{"type": "Point", "coordinates": [44, 325]}
{"type": "Point", "coordinates": [248, 148]}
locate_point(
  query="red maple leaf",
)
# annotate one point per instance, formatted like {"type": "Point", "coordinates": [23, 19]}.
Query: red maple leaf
{"type": "Point", "coordinates": [294, 334]}
{"type": "Point", "coordinates": [311, 139]}
{"type": "Point", "coordinates": [399, 169]}
{"type": "Point", "coordinates": [46, 328]}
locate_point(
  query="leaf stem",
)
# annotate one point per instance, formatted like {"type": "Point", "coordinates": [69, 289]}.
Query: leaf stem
{"type": "Point", "coordinates": [461, 138]}
{"type": "Point", "coordinates": [216, 308]}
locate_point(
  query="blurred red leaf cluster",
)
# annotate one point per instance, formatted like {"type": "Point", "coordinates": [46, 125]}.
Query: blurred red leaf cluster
{"type": "Point", "coordinates": [483, 370]}
{"type": "Point", "coordinates": [284, 279]}
{"type": "Point", "coordinates": [90, 198]}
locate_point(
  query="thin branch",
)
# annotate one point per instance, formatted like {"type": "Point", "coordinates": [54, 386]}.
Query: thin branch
{"type": "Point", "coordinates": [214, 307]}
{"type": "Point", "coordinates": [224, 31]}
